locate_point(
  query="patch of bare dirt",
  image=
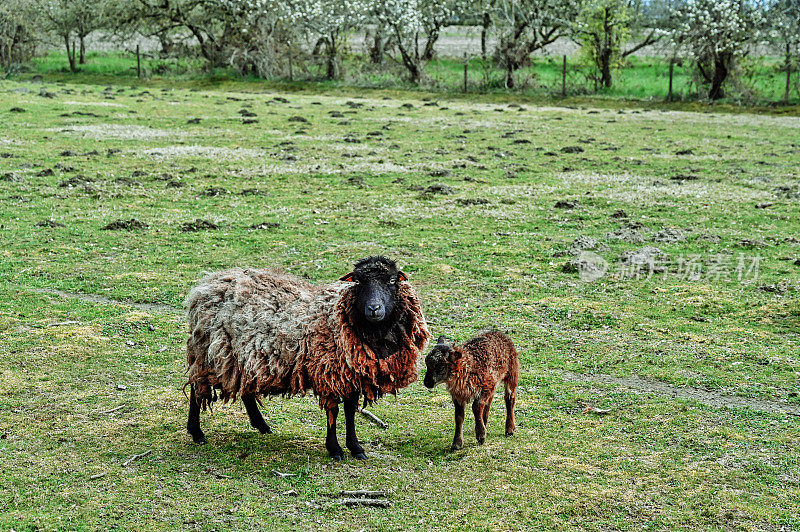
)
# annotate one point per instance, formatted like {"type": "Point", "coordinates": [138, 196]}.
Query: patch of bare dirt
{"type": "Point", "coordinates": [94, 298]}
{"type": "Point", "coordinates": [126, 225]}
{"type": "Point", "coordinates": [198, 225]}
{"type": "Point", "coordinates": [707, 397]}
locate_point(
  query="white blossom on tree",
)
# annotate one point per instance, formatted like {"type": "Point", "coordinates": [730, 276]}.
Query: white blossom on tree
{"type": "Point", "coordinates": [714, 34]}
{"type": "Point", "coordinates": [524, 26]}
{"type": "Point", "coordinates": [611, 30]}
{"type": "Point", "coordinates": [71, 21]}
{"type": "Point", "coordinates": [784, 32]}
{"type": "Point", "coordinates": [332, 22]}
{"type": "Point", "coordinates": [250, 35]}
{"type": "Point", "coordinates": [18, 21]}
{"type": "Point", "coordinates": [407, 20]}
{"type": "Point", "coordinates": [435, 15]}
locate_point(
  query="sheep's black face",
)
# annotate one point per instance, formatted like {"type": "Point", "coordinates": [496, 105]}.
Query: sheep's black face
{"type": "Point", "coordinates": [376, 281]}
{"type": "Point", "coordinates": [438, 363]}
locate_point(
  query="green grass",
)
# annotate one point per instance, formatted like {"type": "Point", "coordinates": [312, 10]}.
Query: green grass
{"type": "Point", "coordinates": [639, 79]}
{"type": "Point", "coordinates": [120, 64]}
{"type": "Point", "coordinates": [491, 254]}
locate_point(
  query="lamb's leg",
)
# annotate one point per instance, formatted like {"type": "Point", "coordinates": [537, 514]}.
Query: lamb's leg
{"type": "Point", "coordinates": [458, 439]}
{"type": "Point", "coordinates": [480, 428]}
{"type": "Point", "coordinates": [193, 425]}
{"type": "Point", "coordinates": [350, 407]}
{"type": "Point", "coordinates": [511, 399]}
{"type": "Point", "coordinates": [256, 420]}
{"type": "Point", "coordinates": [331, 443]}
{"type": "Point", "coordinates": [486, 407]}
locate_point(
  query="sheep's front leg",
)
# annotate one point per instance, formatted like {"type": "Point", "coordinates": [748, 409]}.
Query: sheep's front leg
{"type": "Point", "coordinates": [331, 442]}
{"type": "Point", "coordinates": [193, 425]}
{"type": "Point", "coordinates": [256, 419]}
{"type": "Point", "coordinates": [458, 439]}
{"type": "Point", "coordinates": [350, 407]}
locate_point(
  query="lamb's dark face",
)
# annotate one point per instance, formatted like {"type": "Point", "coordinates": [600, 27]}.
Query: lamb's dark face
{"type": "Point", "coordinates": [439, 363]}
{"type": "Point", "coordinates": [376, 281]}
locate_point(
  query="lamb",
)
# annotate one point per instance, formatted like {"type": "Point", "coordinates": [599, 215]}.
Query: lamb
{"type": "Point", "coordinates": [472, 372]}
{"type": "Point", "coordinates": [257, 332]}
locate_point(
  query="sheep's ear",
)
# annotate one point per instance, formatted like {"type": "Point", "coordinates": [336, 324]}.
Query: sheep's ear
{"type": "Point", "coordinates": [402, 276]}
{"type": "Point", "coordinates": [442, 340]}
{"type": "Point", "coordinates": [349, 277]}
{"type": "Point", "coordinates": [453, 355]}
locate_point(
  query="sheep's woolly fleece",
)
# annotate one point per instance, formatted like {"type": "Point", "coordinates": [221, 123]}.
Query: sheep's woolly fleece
{"type": "Point", "coordinates": [264, 332]}
{"type": "Point", "coordinates": [484, 362]}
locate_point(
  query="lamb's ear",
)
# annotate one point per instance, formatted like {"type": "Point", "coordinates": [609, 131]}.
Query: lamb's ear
{"type": "Point", "coordinates": [453, 355]}
{"type": "Point", "coordinates": [442, 340]}
{"type": "Point", "coordinates": [402, 276]}
{"type": "Point", "coordinates": [349, 277]}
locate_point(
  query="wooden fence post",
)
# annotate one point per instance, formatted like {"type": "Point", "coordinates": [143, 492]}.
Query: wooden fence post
{"type": "Point", "coordinates": [138, 63]}
{"type": "Point", "coordinates": [671, 69]}
{"type": "Point", "coordinates": [466, 66]}
{"type": "Point", "coordinates": [564, 77]}
{"type": "Point", "coordinates": [788, 74]}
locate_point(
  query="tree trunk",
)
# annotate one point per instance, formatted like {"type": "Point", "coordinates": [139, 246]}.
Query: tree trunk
{"type": "Point", "coordinates": [415, 74]}
{"type": "Point", "coordinates": [509, 76]}
{"type": "Point", "coordinates": [318, 46]}
{"type": "Point", "coordinates": [70, 54]}
{"type": "Point", "coordinates": [411, 65]}
{"type": "Point", "coordinates": [165, 42]}
{"type": "Point", "coordinates": [377, 49]}
{"type": "Point", "coordinates": [430, 41]}
{"type": "Point", "coordinates": [411, 62]}
{"type": "Point", "coordinates": [487, 21]}
{"type": "Point", "coordinates": [606, 50]}
{"type": "Point", "coordinates": [82, 59]}
{"type": "Point", "coordinates": [717, 81]}
{"type": "Point", "coordinates": [331, 66]}
{"type": "Point", "coordinates": [605, 69]}
{"type": "Point", "coordinates": [204, 48]}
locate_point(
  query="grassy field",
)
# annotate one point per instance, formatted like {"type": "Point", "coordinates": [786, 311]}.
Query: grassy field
{"type": "Point", "coordinates": [640, 78]}
{"type": "Point", "coordinates": [121, 195]}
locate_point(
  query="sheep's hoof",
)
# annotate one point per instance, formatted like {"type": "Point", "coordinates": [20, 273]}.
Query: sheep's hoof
{"type": "Point", "coordinates": [338, 457]}
{"type": "Point", "coordinates": [510, 433]}
{"type": "Point", "coordinates": [455, 447]}
{"type": "Point", "coordinates": [265, 429]}
{"type": "Point", "coordinates": [199, 439]}
{"type": "Point", "coordinates": [481, 440]}
{"type": "Point", "coordinates": [360, 456]}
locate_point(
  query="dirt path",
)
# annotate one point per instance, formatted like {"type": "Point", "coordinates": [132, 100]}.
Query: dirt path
{"type": "Point", "coordinates": [632, 382]}
{"type": "Point", "coordinates": [93, 298]}
{"type": "Point", "coordinates": [710, 398]}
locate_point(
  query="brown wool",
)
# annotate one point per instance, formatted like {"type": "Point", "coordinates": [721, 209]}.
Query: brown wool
{"type": "Point", "coordinates": [261, 332]}
{"type": "Point", "coordinates": [484, 362]}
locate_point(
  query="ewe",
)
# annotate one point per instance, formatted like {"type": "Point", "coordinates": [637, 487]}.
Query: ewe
{"type": "Point", "coordinates": [260, 332]}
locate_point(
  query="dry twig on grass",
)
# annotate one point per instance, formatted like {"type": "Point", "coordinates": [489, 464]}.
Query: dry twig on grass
{"type": "Point", "coordinates": [363, 493]}
{"type": "Point", "coordinates": [135, 457]}
{"type": "Point", "coordinates": [379, 503]}
{"type": "Point", "coordinates": [372, 417]}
